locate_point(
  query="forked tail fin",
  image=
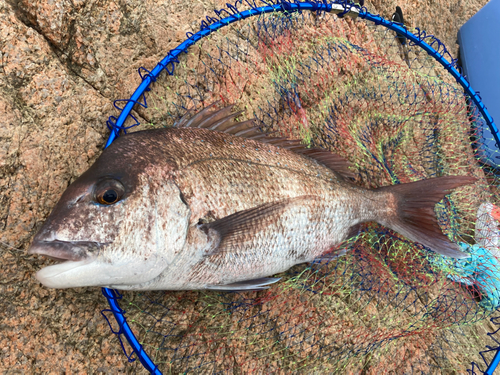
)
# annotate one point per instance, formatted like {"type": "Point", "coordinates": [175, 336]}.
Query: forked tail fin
{"type": "Point", "coordinates": [415, 218]}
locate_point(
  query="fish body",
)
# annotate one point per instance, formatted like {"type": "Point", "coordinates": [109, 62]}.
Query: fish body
{"type": "Point", "coordinates": [212, 204]}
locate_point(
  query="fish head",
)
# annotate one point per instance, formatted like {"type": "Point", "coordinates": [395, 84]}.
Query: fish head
{"type": "Point", "coordinates": [120, 223]}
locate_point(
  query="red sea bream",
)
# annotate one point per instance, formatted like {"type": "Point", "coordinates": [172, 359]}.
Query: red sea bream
{"type": "Point", "coordinates": [213, 204]}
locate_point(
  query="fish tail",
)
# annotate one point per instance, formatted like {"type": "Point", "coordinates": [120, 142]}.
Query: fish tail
{"type": "Point", "coordinates": [414, 215]}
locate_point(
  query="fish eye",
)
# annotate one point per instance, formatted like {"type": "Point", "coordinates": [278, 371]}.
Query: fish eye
{"type": "Point", "coordinates": [108, 191]}
{"type": "Point", "coordinates": [110, 196]}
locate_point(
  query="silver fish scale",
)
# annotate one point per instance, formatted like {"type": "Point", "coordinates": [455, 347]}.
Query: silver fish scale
{"type": "Point", "coordinates": [187, 148]}
{"type": "Point", "coordinates": [219, 177]}
{"type": "Point", "coordinates": [301, 234]}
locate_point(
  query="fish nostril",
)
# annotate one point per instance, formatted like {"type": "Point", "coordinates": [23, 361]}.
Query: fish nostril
{"type": "Point", "coordinates": [79, 199]}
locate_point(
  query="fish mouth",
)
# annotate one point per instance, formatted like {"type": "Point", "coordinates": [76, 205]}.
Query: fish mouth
{"type": "Point", "coordinates": [86, 264]}
{"type": "Point", "coordinates": [70, 257]}
{"type": "Point", "coordinates": [62, 251]}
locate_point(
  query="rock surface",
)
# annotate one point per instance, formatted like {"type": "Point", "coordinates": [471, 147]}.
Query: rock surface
{"type": "Point", "coordinates": [62, 65]}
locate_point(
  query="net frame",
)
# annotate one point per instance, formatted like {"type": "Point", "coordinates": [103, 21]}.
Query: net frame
{"type": "Point", "coordinates": [431, 45]}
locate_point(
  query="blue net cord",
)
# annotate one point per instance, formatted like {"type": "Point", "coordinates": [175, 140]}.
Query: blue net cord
{"type": "Point", "coordinates": [427, 42]}
{"type": "Point", "coordinates": [496, 359]}
{"type": "Point", "coordinates": [439, 54]}
{"type": "Point", "coordinates": [113, 296]}
{"type": "Point", "coordinates": [424, 41]}
{"type": "Point", "coordinates": [168, 63]}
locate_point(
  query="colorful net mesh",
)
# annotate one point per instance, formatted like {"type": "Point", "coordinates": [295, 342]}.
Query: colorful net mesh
{"type": "Point", "coordinates": [388, 305]}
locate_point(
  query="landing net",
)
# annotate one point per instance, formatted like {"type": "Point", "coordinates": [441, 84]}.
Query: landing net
{"type": "Point", "coordinates": [378, 99]}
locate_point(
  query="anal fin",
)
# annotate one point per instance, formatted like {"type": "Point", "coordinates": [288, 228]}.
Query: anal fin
{"type": "Point", "coordinates": [247, 285]}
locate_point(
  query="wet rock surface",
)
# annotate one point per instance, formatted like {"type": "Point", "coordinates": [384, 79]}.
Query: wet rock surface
{"type": "Point", "coordinates": [62, 65]}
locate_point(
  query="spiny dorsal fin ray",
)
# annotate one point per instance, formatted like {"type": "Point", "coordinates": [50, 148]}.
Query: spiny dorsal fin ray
{"type": "Point", "coordinates": [215, 117]}
{"type": "Point", "coordinates": [333, 161]}
{"type": "Point", "coordinates": [188, 118]}
{"type": "Point", "coordinates": [199, 117]}
{"type": "Point", "coordinates": [249, 130]}
{"type": "Point", "coordinates": [223, 121]}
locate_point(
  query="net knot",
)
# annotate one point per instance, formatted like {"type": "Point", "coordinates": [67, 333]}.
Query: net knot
{"type": "Point", "coordinates": [112, 122]}
{"type": "Point", "coordinates": [148, 74]}
{"type": "Point", "coordinates": [347, 5]}
{"type": "Point", "coordinates": [286, 6]}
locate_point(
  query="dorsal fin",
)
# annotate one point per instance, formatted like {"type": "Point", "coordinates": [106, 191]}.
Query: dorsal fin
{"type": "Point", "coordinates": [223, 121]}
{"type": "Point", "coordinates": [333, 161]}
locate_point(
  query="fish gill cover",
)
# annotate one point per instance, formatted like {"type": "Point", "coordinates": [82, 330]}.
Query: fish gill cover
{"type": "Point", "coordinates": [388, 305]}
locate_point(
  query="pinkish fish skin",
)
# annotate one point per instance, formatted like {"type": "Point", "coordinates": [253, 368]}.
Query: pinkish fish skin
{"type": "Point", "coordinates": [214, 204]}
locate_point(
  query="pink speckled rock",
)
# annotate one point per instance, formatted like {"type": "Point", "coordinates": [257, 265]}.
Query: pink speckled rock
{"type": "Point", "coordinates": [62, 64]}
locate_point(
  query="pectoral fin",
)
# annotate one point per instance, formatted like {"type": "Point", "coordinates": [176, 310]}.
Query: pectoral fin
{"type": "Point", "coordinates": [234, 230]}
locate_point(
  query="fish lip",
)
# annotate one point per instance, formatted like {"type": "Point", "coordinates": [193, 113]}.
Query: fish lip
{"type": "Point", "coordinates": [66, 250]}
{"type": "Point", "coordinates": [50, 276]}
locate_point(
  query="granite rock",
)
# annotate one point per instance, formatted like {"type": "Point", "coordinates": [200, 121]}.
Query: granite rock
{"type": "Point", "coordinates": [62, 64]}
